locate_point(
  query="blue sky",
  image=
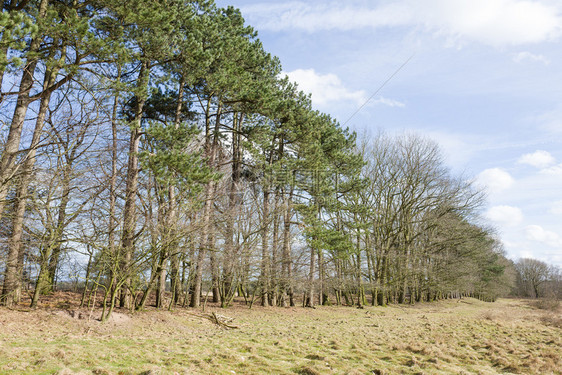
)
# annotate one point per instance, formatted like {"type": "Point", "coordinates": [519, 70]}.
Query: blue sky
{"type": "Point", "coordinates": [485, 82]}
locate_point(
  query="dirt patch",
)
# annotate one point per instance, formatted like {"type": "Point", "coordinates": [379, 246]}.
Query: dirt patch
{"type": "Point", "coordinates": [119, 318]}
{"type": "Point", "coordinates": [73, 314]}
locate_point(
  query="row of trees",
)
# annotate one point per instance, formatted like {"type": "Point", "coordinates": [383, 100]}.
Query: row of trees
{"type": "Point", "coordinates": [152, 147]}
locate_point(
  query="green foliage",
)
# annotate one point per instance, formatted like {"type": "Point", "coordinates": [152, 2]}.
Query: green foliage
{"type": "Point", "coordinates": [172, 156]}
{"type": "Point", "coordinates": [15, 27]}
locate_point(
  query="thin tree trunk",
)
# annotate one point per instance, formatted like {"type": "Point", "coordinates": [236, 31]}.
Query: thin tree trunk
{"type": "Point", "coordinates": [207, 212]}
{"type": "Point", "coordinates": [214, 268]}
{"type": "Point", "coordinates": [175, 280]}
{"type": "Point", "coordinates": [287, 261]}
{"type": "Point", "coordinates": [172, 216]}
{"type": "Point", "coordinates": [275, 252]}
{"type": "Point", "coordinates": [54, 257]}
{"type": "Point", "coordinates": [129, 210]}
{"type": "Point", "coordinates": [161, 275]}
{"type": "Point", "coordinates": [129, 214]}
{"type": "Point", "coordinates": [150, 285]}
{"type": "Point", "coordinates": [229, 258]}
{"type": "Point", "coordinates": [264, 276]}
{"type": "Point", "coordinates": [381, 295]}
{"type": "Point", "coordinates": [112, 222]}
{"type": "Point", "coordinates": [322, 297]}
{"type": "Point", "coordinates": [310, 296]}
{"type": "Point", "coordinates": [88, 271]}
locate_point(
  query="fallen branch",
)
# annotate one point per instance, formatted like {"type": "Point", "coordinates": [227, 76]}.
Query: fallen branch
{"type": "Point", "coordinates": [220, 320]}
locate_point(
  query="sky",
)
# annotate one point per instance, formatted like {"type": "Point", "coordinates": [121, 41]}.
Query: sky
{"type": "Point", "coordinates": [482, 78]}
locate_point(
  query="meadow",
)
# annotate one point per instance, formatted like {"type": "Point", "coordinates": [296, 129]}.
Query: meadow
{"type": "Point", "coordinates": [463, 336]}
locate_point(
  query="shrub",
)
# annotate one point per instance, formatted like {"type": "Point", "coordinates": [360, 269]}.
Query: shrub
{"type": "Point", "coordinates": [546, 304]}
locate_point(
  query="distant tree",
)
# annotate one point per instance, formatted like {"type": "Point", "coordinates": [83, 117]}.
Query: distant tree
{"type": "Point", "coordinates": [532, 274]}
{"type": "Point", "coordinates": [553, 287]}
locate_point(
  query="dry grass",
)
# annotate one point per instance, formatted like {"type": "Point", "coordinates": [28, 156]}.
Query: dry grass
{"type": "Point", "coordinates": [547, 304]}
{"type": "Point", "coordinates": [448, 337]}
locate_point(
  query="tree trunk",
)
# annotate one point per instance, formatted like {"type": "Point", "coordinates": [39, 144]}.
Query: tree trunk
{"type": "Point", "coordinates": [287, 261]}
{"type": "Point", "coordinates": [310, 293]}
{"type": "Point", "coordinates": [15, 245]}
{"type": "Point", "coordinates": [172, 217]}
{"type": "Point", "coordinates": [12, 144]}
{"type": "Point", "coordinates": [56, 246]}
{"type": "Point", "coordinates": [203, 246]}
{"type": "Point", "coordinates": [214, 268]}
{"type": "Point", "coordinates": [161, 275]}
{"type": "Point", "coordinates": [112, 219]}
{"type": "Point", "coordinates": [129, 210]}
{"type": "Point", "coordinates": [264, 276]}
{"type": "Point", "coordinates": [275, 253]}
{"type": "Point", "coordinates": [230, 254]}
{"type": "Point", "coordinates": [211, 149]}
{"type": "Point", "coordinates": [322, 297]}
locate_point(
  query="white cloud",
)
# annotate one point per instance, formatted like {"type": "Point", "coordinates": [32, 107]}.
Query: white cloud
{"type": "Point", "coordinates": [495, 180]}
{"type": "Point", "coordinates": [493, 22]}
{"type": "Point", "coordinates": [526, 254]}
{"type": "Point", "coordinates": [505, 215]}
{"type": "Point", "coordinates": [528, 56]}
{"type": "Point", "coordinates": [496, 22]}
{"type": "Point", "coordinates": [312, 17]}
{"type": "Point", "coordinates": [539, 234]}
{"type": "Point", "coordinates": [389, 102]}
{"type": "Point", "coordinates": [555, 171]}
{"type": "Point", "coordinates": [325, 88]}
{"type": "Point", "coordinates": [539, 159]}
{"type": "Point", "coordinates": [556, 208]}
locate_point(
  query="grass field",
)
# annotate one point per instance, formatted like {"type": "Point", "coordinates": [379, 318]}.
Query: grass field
{"type": "Point", "coordinates": [448, 337]}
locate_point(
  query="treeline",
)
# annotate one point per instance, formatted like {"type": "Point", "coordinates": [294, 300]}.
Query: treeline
{"type": "Point", "coordinates": [151, 149]}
